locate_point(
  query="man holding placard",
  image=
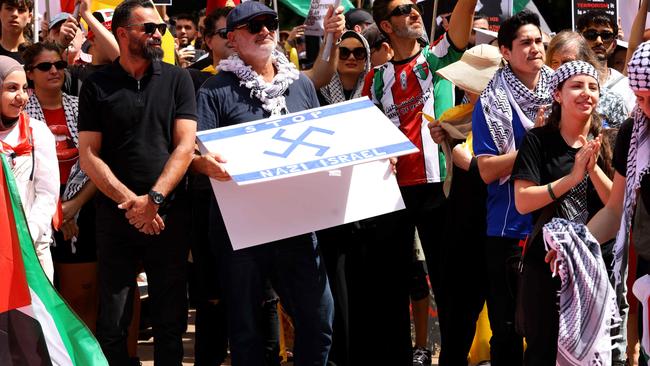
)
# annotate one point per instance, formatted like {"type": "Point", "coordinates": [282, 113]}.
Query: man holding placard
{"type": "Point", "coordinates": [254, 83]}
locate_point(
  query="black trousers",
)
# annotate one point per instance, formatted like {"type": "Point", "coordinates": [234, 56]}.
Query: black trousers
{"type": "Point", "coordinates": [542, 313]}
{"type": "Point", "coordinates": [120, 250]}
{"type": "Point", "coordinates": [378, 278]}
{"type": "Point", "coordinates": [335, 244]}
{"type": "Point", "coordinates": [211, 333]}
{"type": "Point", "coordinates": [502, 256]}
{"type": "Point", "coordinates": [427, 209]}
{"type": "Point", "coordinates": [464, 271]}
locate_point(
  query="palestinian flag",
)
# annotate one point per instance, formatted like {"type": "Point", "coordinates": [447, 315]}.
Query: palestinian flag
{"type": "Point", "coordinates": [36, 325]}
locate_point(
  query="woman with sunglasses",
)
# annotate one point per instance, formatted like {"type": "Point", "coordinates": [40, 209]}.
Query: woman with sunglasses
{"type": "Point", "coordinates": [74, 247]}
{"type": "Point", "coordinates": [29, 147]}
{"type": "Point", "coordinates": [353, 65]}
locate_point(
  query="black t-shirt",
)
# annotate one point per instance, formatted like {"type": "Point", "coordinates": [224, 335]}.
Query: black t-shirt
{"type": "Point", "coordinates": [15, 55]}
{"type": "Point", "coordinates": [620, 158]}
{"type": "Point", "coordinates": [136, 118]}
{"type": "Point", "coordinates": [543, 158]}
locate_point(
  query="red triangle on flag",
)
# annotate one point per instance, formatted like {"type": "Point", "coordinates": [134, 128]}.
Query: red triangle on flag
{"type": "Point", "coordinates": [14, 291]}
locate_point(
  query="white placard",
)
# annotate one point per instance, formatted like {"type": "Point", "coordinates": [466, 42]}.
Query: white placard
{"type": "Point", "coordinates": [314, 20]}
{"type": "Point", "coordinates": [260, 213]}
{"type": "Point", "coordinates": [319, 139]}
{"type": "Point", "coordinates": [306, 171]}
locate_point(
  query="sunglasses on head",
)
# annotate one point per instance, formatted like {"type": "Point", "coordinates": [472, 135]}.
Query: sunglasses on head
{"type": "Point", "coordinates": [47, 66]}
{"type": "Point", "coordinates": [592, 35]}
{"type": "Point", "coordinates": [404, 9]}
{"type": "Point", "coordinates": [222, 32]}
{"type": "Point", "coordinates": [255, 25]}
{"type": "Point", "coordinates": [150, 28]}
{"type": "Point", "coordinates": [359, 53]}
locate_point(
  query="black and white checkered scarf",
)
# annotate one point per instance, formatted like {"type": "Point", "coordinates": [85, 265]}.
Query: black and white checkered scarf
{"type": "Point", "coordinates": [270, 94]}
{"type": "Point", "coordinates": [569, 69]}
{"type": "Point", "coordinates": [506, 92]}
{"type": "Point", "coordinates": [638, 157]}
{"type": "Point", "coordinates": [588, 309]}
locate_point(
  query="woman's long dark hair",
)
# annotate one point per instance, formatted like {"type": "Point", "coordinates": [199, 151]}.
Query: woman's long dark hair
{"type": "Point", "coordinates": [595, 129]}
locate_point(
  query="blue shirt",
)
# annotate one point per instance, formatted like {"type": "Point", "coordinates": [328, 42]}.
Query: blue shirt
{"type": "Point", "coordinates": [503, 220]}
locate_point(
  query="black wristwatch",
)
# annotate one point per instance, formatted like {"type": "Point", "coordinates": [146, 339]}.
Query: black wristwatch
{"type": "Point", "coordinates": [156, 197]}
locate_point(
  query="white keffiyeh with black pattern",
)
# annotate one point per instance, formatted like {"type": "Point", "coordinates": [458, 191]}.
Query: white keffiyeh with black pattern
{"type": "Point", "coordinates": [638, 165]}
{"type": "Point", "coordinates": [638, 157]}
{"type": "Point", "coordinates": [506, 92]}
{"type": "Point", "coordinates": [270, 94]}
{"type": "Point", "coordinates": [588, 309]}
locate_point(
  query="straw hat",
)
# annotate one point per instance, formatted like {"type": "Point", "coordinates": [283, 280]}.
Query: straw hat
{"type": "Point", "coordinates": [475, 68]}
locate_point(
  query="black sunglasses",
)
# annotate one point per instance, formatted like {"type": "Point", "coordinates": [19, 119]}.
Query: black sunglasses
{"type": "Point", "coordinates": [359, 53]}
{"type": "Point", "coordinates": [592, 35]}
{"type": "Point", "coordinates": [150, 28]}
{"type": "Point", "coordinates": [47, 66]}
{"type": "Point", "coordinates": [222, 32]}
{"type": "Point", "coordinates": [255, 25]}
{"type": "Point", "coordinates": [404, 9]}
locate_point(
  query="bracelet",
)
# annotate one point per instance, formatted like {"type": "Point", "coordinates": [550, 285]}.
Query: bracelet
{"type": "Point", "coordinates": [550, 192]}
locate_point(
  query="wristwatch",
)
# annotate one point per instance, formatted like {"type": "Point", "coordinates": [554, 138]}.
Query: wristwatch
{"type": "Point", "coordinates": [156, 197]}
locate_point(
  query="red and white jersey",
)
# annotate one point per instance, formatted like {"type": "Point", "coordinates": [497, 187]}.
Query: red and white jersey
{"type": "Point", "coordinates": [403, 90]}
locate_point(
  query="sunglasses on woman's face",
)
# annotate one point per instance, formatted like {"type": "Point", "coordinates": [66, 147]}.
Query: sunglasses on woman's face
{"type": "Point", "coordinates": [404, 9]}
{"type": "Point", "coordinates": [47, 66]}
{"type": "Point", "coordinates": [359, 53]}
{"type": "Point", "coordinates": [255, 25]}
{"type": "Point", "coordinates": [222, 32]}
{"type": "Point", "coordinates": [150, 28]}
{"type": "Point", "coordinates": [592, 35]}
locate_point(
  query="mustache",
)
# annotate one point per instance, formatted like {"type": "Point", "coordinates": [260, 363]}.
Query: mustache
{"type": "Point", "coordinates": [267, 36]}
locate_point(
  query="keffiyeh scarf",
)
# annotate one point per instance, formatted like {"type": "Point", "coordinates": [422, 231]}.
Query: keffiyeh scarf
{"type": "Point", "coordinates": [270, 94]}
{"type": "Point", "coordinates": [638, 157]}
{"type": "Point", "coordinates": [506, 92]}
{"type": "Point", "coordinates": [638, 165]}
{"type": "Point", "coordinates": [588, 307]}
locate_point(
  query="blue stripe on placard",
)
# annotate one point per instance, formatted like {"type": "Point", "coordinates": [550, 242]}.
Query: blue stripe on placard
{"type": "Point", "coordinates": [328, 162]}
{"type": "Point", "coordinates": [271, 123]}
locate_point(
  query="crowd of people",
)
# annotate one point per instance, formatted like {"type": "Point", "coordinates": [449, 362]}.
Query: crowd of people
{"type": "Point", "coordinates": [101, 138]}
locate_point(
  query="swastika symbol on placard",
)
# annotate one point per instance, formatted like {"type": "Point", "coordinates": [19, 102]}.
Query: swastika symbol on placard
{"type": "Point", "coordinates": [299, 141]}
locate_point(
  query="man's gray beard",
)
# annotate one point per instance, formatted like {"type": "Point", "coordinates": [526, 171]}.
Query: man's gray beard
{"type": "Point", "coordinates": [407, 32]}
{"type": "Point", "coordinates": [153, 53]}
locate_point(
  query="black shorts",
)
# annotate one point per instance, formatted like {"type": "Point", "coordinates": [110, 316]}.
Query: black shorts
{"type": "Point", "coordinates": [85, 248]}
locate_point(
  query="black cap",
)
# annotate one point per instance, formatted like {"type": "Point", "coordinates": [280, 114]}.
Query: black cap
{"type": "Point", "coordinates": [245, 12]}
{"type": "Point", "coordinates": [374, 37]}
{"type": "Point", "coordinates": [357, 16]}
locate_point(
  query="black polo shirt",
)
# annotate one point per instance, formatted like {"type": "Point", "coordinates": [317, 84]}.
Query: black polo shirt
{"type": "Point", "coordinates": [136, 118]}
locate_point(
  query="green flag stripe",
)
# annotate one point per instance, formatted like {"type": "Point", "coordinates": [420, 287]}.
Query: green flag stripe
{"type": "Point", "coordinates": [82, 347]}
{"type": "Point", "coordinates": [519, 5]}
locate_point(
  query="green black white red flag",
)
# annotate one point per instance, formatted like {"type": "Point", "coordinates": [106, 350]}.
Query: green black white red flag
{"type": "Point", "coordinates": [37, 327]}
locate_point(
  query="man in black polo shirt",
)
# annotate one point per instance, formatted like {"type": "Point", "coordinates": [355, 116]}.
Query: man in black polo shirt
{"type": "Point", "coordinates": [137, 122]}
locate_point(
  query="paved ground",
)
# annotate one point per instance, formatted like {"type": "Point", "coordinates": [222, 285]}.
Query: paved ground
{"type": "Point", "coordinates": [145, 348]}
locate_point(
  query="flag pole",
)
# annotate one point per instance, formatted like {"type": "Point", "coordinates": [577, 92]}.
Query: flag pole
{"type": "Point", "coordinates": [433, 21]}
{"type": "Point", "coordinates": [37, 23]}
